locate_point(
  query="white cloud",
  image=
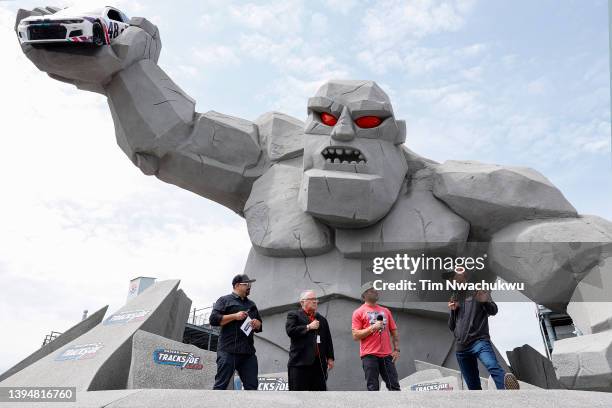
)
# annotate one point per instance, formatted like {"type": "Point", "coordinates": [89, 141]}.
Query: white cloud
{"type": "Point", "coordinates": [340, 6]}
{"type": "Point", "coordinates": [390, 23]}
{"type": "Point", "coordinates": [217, 56]}
{"type": "Point", "coordinates": [283, 18]}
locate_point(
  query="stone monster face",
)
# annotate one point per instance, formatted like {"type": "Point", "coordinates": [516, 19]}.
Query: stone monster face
{"type": "Point", "coordinates": [353, 164]}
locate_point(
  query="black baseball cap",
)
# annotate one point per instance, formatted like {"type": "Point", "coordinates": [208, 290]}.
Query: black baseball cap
{"type": "Point", "coordinates": [242, 278]}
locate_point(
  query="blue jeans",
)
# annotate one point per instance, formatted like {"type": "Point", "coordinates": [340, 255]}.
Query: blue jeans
{"type": "Point", "coordinates": [245, 364]}
{"type": "Point", "coordinates": [483, 350]}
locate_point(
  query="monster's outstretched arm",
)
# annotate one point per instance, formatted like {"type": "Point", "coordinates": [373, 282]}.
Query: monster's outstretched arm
{"type": "Point", "coordinates": [536, 236]}
{"type": "Point", "coordinates": [211, 154]}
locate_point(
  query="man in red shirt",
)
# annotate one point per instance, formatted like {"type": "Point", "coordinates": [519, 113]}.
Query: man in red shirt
{"type": "Point", "coordinates": [373, 326]}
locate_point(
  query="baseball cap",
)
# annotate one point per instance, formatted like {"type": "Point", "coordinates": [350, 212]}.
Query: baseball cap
{"type": "Point", "coordinates": [242, 278]}
{"type": "Point", "coordinates": [366, 286]}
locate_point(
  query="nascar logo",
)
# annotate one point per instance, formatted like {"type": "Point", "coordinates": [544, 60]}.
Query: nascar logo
{"type": "Point", "coordinates": [126, 317]}
{"type": "Point", "coordinates": [182, 359]}
{"type": "Point", "coordinates": [80, 352]}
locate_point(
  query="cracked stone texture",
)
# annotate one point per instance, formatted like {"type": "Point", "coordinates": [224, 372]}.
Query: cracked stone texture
{"type": "Point", "coordinates": [585, 362]}
{"type": "Point", "coordinates": [145, 373]}
{"type": "Point", "coordinates": [491, 196]}
{"type": "Point", "coordinates": [108, 369]}
{"type": "Point", "coordinates": [416, 217]}
{"type": "Point", "coordinates": [281, 135]}
{"type": "Point", "coordinates": [590, 306]}
{"type": "Point", "coordinates": [210, 154]}
{"type": "Point", "coordinates": [276, 225]}
{"type": "Point", "coordinates": [550, 256]}
{"type": "Point", "coordinates": [156, 127]}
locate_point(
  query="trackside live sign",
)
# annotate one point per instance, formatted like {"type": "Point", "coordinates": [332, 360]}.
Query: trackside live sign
{"type": "Point", "coordinates": [126, 317]}
{"type": "Point", "coordinates": [272, 384]}
{"type": "Point", "coordinates": [177, 358]}
{"type": "Point", "coordinates": [432, 386]}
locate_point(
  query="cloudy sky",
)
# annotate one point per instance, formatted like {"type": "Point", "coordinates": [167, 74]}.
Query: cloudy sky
{"type": "Point", "coordinates": [511, 82]}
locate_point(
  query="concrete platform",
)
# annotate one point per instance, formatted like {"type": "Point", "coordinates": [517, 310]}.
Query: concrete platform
{"type": "Point", "coordinates": [336, 399]}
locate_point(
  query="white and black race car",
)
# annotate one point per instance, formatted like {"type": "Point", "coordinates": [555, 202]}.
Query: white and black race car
{"type": "Point", "coordinates": [98, 26]}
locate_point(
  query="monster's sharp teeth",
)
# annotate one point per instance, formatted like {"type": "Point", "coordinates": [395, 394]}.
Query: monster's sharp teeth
{"type": "Point", "coordinates": [336, 160]}
{"type": "Point", "coordinates": [361, 162]}
{"type": "Point", "coordinates": [361, 156]}
{"type": "Point", "coordinates": [328, 160]}
{"type": "Point", "coordinates": [353, 162]}
{"type": "Point", "coordinates": [348, 151]}
{"type": "Point", "coordinates": [325, 151]}
{"type": "Point", "coordinates": [345, 161]}
{"type": "Point", "coordinates": [355, 151]}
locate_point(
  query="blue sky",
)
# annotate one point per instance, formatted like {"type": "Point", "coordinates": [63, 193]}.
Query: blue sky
{"type": "Point", "coordinates": [510, 82]}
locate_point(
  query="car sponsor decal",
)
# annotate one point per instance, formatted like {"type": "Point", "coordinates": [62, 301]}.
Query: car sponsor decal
{"type": "Point", "coordinates": [177, 358]}
{"type": "Point", "coordinates": [105, 29]}
{"type": "Point", "coordinates": [79, 352]}
{"type": "Point", "coordinates": [82, 38]}
{"type": "Point", "coordinates": [432, 386]}
{"type": "Point", "coordinates": [126, 317]}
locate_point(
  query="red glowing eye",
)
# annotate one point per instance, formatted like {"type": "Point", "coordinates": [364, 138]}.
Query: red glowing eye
{"type": "Point", "coordinates": [368, 122]}
{"type": "Point", "coordinates": [328, 119]}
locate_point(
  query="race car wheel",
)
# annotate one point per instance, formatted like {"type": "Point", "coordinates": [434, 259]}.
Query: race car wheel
{"type": "Point", "coordinates": [98, 34]}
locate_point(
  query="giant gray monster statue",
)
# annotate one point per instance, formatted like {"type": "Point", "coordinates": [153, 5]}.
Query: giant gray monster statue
{"type": "Point", "coordinates": [311, 192]}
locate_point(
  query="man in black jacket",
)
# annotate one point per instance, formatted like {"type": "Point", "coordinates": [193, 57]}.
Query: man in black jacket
{"type": "Point", "coordinates": [235, 349]}
{"type": "Point", "coordinates": [469, 321]}
{"type": "Point", "coordinates": [312, 352]}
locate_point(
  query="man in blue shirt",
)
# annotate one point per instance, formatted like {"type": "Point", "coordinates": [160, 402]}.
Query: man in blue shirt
{"type": "Point", "coordinates": [235, 349]}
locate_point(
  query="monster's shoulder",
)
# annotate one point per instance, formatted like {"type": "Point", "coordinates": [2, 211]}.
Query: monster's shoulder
{"type": "Point", "coordinates": [415, 161]}
{"type": "Point", "coordinates": [491, 196]}
{"type": "Point", "coordinates": [280, 135]}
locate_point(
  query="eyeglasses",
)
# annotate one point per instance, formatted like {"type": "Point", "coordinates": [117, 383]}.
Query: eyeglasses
{"type": "Point", "coordinates": [312, 299]}
{"type": "Point", "coordinates": [247, 284]}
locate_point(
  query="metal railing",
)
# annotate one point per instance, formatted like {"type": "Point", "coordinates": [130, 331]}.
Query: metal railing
{"type": "Point", "coordinates": [50, 337]}
{"type": "Point", "coordinates": [199, 317]}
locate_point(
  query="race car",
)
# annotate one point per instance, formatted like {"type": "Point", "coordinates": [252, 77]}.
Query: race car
{"type": "Point", "coordinates": [97, 27]}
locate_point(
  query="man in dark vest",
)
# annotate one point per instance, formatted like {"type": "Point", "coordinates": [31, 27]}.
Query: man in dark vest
{"type": "Point", "coordinates": [312, 352]}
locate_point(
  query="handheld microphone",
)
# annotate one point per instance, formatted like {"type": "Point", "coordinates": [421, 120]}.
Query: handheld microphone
{"type": "Point", "coordinates": [250, 310]}
{"type": "Point", "coordinates": [380, 318]}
